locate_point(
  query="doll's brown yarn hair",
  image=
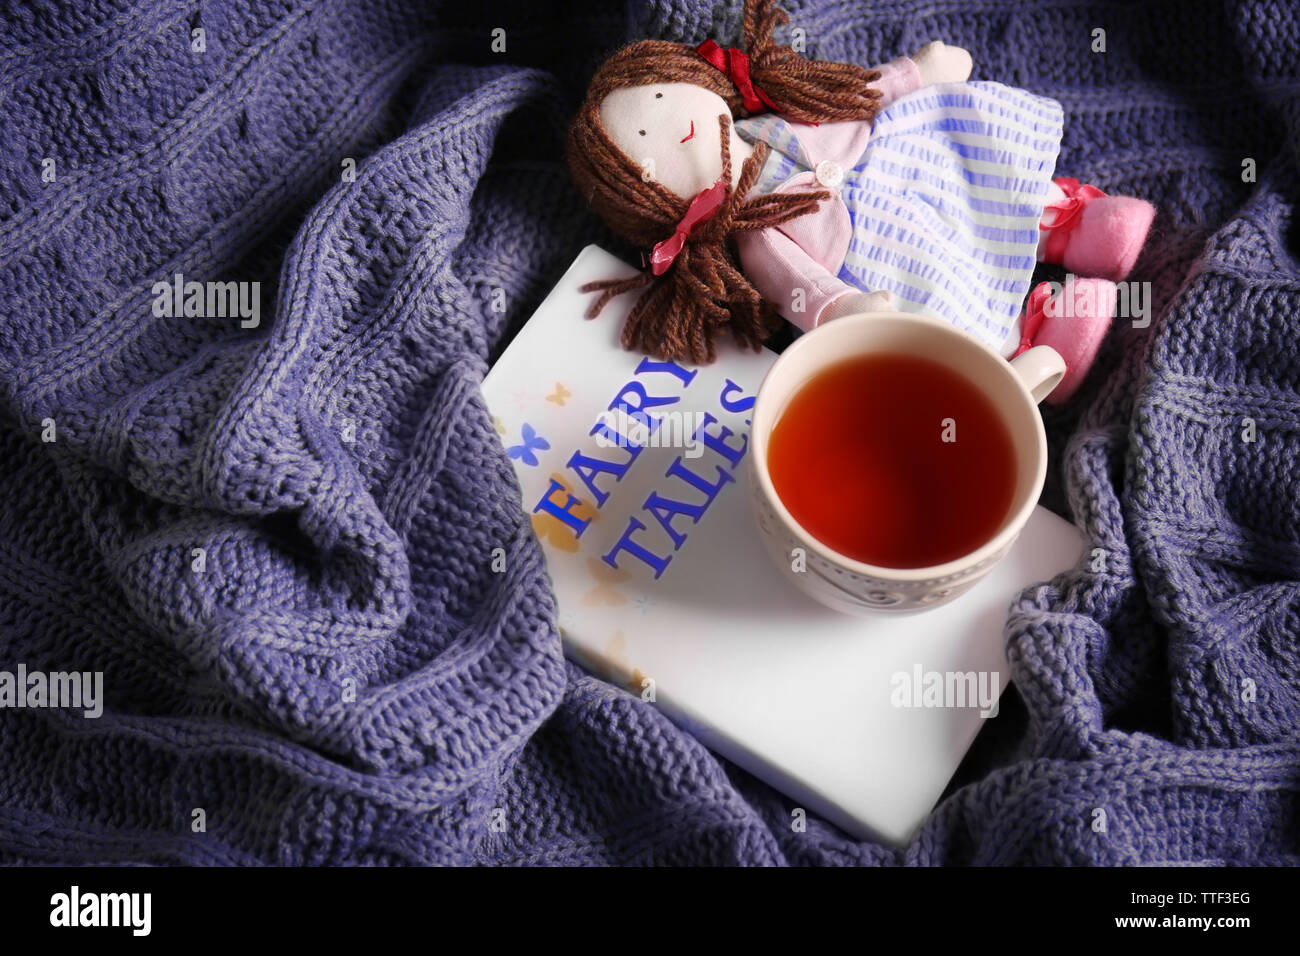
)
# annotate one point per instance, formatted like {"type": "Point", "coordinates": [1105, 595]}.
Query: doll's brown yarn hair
{"type": "Point", "coordinates": [704, 292]}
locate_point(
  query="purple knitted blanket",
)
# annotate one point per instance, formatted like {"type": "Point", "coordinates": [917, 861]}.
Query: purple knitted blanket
{"type": "Point", "coordinates": [252, 258]}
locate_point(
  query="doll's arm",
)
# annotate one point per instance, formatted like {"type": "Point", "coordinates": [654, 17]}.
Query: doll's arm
{"type": "Point", "coordinates": [897, 78]}
{"type": "Point", "coordinates": [942, 63]}
{"type": "Point", "coordinates": [800, 287]}
{"type": "Point", "coordinates": [934, 63]}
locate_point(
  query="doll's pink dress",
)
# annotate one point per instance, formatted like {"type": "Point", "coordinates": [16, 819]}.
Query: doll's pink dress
{"type": "Point", "coordinates": [938, 201]}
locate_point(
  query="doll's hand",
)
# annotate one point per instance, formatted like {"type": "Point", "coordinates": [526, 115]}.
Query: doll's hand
{"type": "Point", "coordinates": [854, 303]}
{"type": "Point", "coordinates": [940, 63]}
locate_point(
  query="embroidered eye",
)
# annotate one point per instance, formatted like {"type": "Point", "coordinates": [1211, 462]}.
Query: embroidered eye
{"type": "Point", "coordinates": [659, 96]}
{"type": "Point", "coordinates": [642, 132]}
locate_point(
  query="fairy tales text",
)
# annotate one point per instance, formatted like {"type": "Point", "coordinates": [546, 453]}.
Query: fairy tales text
{"type": "Point", "coordinates": [639, 412]}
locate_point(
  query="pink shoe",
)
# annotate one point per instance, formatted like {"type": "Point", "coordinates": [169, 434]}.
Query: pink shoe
{"type": "Point", "coordinates": [1094, 234]}
{"type": "Point", "coordinates": [1074, 323]}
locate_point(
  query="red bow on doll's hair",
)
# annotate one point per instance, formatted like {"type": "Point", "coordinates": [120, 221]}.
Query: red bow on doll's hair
{"type": "Point", "coordinates": [704, 205]}
{"type": "Point", "coordinates": [735, 63]}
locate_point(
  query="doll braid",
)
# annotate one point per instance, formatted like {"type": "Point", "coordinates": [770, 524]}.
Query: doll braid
{"type": "Point", "coordinates": [704, 292]}
{"type": "Point", "coordinates": [812, 91]}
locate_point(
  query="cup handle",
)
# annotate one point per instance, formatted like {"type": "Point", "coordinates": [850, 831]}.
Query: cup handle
{"type": "Point", "coordinates": [1041, 369]}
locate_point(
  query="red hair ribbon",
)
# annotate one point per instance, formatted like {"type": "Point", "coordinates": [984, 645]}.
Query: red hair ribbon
{"type": "Point", "coordinates": [735, 63]}
{"type": "Point", "coordinates": [704, 205]}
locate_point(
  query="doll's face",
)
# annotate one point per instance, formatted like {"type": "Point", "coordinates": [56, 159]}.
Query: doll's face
{"type": "Point", "coordinates": [671, 131]}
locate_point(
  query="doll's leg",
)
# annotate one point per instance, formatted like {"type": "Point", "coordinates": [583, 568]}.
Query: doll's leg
{"type": "Point", "coordinates": [1055, 196]}
{"type": "Point", "coordinates": [1091, 233]}
{"type": "Point", "coordinates": [1073, 319]}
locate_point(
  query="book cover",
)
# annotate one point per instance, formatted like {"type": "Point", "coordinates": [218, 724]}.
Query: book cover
{"type": "Point", "coordinates": [633, 475]}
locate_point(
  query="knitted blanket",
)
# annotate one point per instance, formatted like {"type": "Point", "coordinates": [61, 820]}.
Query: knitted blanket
{"type": "Point", "coordinates": [255, 258]}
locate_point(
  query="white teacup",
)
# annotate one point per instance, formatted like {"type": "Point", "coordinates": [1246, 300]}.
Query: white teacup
{"type": "Point", "coordinates": [1015, 388]}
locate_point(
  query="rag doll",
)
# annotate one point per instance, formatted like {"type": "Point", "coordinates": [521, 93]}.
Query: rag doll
{"type": "Point", "coordinates": [763, 184]}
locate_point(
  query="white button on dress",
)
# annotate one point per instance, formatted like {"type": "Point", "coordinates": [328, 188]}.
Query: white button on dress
{"type": "Point", "coordinates": [829, 174]}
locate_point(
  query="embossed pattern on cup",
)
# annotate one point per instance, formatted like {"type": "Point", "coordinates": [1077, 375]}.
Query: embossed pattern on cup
{"type": "Point", "coordinates": [850, 586]}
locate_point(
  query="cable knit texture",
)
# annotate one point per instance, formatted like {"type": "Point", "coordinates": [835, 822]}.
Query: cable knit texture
{"type": "Point", "coordinates": [345, 678]}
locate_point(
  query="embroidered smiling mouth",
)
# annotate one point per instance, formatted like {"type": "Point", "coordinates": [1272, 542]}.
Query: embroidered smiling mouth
{"type": "Point", "coordinates": [691, 133]}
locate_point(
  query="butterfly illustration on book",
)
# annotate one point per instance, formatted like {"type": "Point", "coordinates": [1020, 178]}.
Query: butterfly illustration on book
{"type": "Point", "coordinates": [613, 665]}
{"type": "Point", "coordinates": [532, 443]}
{"type": "Point", "coordinates": [551, 529]}
{"type": "Point", "coordinates": [607, 580]}
{"type": "Point", "coordinates": [560, 395]}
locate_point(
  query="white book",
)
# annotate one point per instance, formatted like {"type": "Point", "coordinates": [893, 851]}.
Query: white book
{"type": "Point", "coordinates": [828, 708]}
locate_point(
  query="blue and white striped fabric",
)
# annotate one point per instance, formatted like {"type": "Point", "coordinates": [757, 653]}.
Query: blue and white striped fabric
{"type": "Point", "coordinates": [945, 201]}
